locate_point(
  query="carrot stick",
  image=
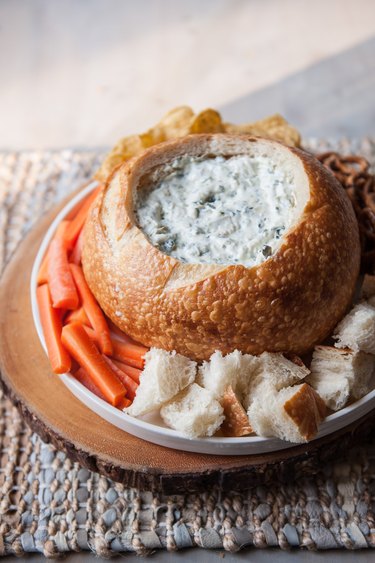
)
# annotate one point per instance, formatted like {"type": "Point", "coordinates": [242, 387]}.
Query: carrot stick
{"type": "Point", "coordinates": [120, 335]}
{"type": "Point", "coordinates": [130, 385]}
{"type": "Point", "coordinates": [84, 378]}
{"type": "Point", "coordinates": [77, 316]}
{"type": "Point", "coordinates": [52, 326]}
{"type": "Point", "coordinates": [120, 354]}
{"type": "Point", "coordinates": [60, 280]}
{"type": "Point", "coordinates": [43, 271]}
{"type": "Point", "coordinates": [76, 254]}
{"type": "Point", "coordinates": [130, 366]}
{"type": "Point", "coordinates": [82, 348]}
{"type": "Point", "coordinates": [138, 364]}
{"type": "Point", "coordinates": [92, 334]}
{"type": "Point", "coordinates": [134, 373]}
{"type": "Point", "coordinates": [92, 310]}
{"type": "Point", "coordinates": [128, 353]}
{"type": "Point", "coordinates": [78, 221]}
{"type": "Point", "coordinates": [124, 403]}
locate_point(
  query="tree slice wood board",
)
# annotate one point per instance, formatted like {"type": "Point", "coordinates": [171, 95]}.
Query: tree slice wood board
{"type": "Point", "coordinates": [61, 419]}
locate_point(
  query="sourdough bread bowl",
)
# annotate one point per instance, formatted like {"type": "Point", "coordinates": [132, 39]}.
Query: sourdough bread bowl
{"type": "Point", "coordinates": [268, 262]}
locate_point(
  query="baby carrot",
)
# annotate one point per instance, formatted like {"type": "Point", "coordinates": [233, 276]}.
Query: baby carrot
{"type": "Point", "coordinates": [130, 385]}
{"type": "Point", "coordinates": [120, 335]}
{"type": "Point", "coordinates": [78, 221]}
{"type": "Point", "coordinates": [43, 271]}
{"type": "Point", "coordinates": [76, 254]}
{"type": "Point", "coordinates": [124, 403]}
{"type": "Point", "coordinates": [78, 316]}
{"type": "Point", "coordinates": [128, 353]}
{"type": "Point", "coordinates": [82, 348]}
{"type": "Point", "coordinates": [92, 334]}
{"type": "Point", "coordinates": [84, 378]}
{"type": "Point", "coordinates": [52, 326]}
{"type": "Point", "coordinates": [134, 373]}
{"type": "Point", "coordinates": [92, 310]}
{"type": "Point", "coordinates": [60, 280]}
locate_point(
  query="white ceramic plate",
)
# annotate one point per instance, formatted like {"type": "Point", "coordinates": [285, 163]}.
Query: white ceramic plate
{"type": "Point", "coordinates": [152, 428]}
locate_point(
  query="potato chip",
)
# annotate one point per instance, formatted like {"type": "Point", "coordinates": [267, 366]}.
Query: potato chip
{"type": "Point", "coordinates": [182, 121]}
{"type": "Point", "coordinates": [126, 148]}
{"type": "Point", "coordinates": [273, 127]}
{"type": "Point", "coordinates": [177, 122]}
{"type": "Point", "coordinates": [208, 121]}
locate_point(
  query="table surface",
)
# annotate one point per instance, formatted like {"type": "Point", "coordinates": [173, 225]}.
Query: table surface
{"type": "Point", "coordinates": [84, 74]}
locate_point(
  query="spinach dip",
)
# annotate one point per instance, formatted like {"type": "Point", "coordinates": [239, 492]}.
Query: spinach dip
{"type": "Point", "coordinates": [219, 210]}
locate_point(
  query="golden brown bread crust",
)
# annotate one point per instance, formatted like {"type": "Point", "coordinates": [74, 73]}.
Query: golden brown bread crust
{"type": "Point", "coordinates": [307, 410]}
{"type": "Point", "coordinates": [236, 422]}
{"type": "Point", "coordinates": [286, 304]}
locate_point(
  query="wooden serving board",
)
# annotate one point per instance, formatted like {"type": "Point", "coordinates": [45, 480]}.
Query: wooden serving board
{"type": "Point", "coordinates": [58, 417]}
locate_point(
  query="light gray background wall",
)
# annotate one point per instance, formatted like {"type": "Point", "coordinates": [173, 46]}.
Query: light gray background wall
{"type": "Point", "coordinates": [85, 72]}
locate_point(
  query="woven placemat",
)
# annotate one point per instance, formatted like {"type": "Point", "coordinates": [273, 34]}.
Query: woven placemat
{"type": "Point", "coordinates": [51, 505]}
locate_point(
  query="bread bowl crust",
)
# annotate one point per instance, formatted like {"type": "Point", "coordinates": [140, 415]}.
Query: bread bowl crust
{"type": "Point", "coordinates": [288, 303]}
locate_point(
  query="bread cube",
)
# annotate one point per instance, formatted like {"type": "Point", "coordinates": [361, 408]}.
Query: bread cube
{"type": "Point", "coordinates": [292, 414]}
{"type": "Point", "coordinates": [234, 370]}
{"type": "Point", "coordinates": [357, 330]}
{"type": "Point", "coordinates": [165, 374]}
{"type": "Point", "coordinates": [340, 374]}
{"type": "Point", "coordinates": [194, 412]}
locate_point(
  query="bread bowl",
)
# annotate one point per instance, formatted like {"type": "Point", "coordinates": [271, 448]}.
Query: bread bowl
{"type": "Point", "coordinates": [287, 301]}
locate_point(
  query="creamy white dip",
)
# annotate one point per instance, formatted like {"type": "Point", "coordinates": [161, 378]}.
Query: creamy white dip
{"type": "Point", "coordinates": [219, 210]}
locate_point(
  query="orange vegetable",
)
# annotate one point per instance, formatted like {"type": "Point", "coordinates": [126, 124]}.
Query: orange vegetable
{"type": "Point", "coordinates": [92, 310]}
{"type": "Point", "coordinates": [134, 373]}
{"type": "Point", "coordinates": [43, 271]}
{"type": "Point", "coordinates": [92, 334]}
{"type": "Point", "coordinates": [76, 254]}
{"type": "Point", "coordinates": [130, 385]}
{"type": "Point", "coordinates": [52, 326]}
{"type": "Point", "coordinates": [124, 403]}
{"type": "Point", "coordinates": [82, 348]}
{"type": "Point", "coordinates": [78, 221]}
{"type": "Point", "coordinates": [60, 280]}
{"type": "Point", "coordinates": [77, 316]}
{"type": "Point", "coordinates": [120, 335]}
{"type": "Point", "coordinates": [130, 354]}
{"type": "Point", "coordinates": [84, 378]}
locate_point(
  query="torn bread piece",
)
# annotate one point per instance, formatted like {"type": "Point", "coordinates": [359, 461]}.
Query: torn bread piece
{"type": "Point", "coordinates": [276, 406]}
{"type": "Point", "coordinates": [277, 372]}
{"type": "Point", "coordinates": [165, 374]}
{"type": "Point", "coordinates": [236, 422]}
{"type": "Point", "coordinates": [234, 369]}
{"type": "Point", "coordinates": [194, 412]}
{"type": "Point", "coordinates": [340, 374]}
{"type": "Point", "coordinates": [305, 408]}
{"type": "Point", "coordinates": [357, 330]}
{"type": "Point", "coordinates": [292, 414]}
{"type": "Point", "coordinates": [282, 371]}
